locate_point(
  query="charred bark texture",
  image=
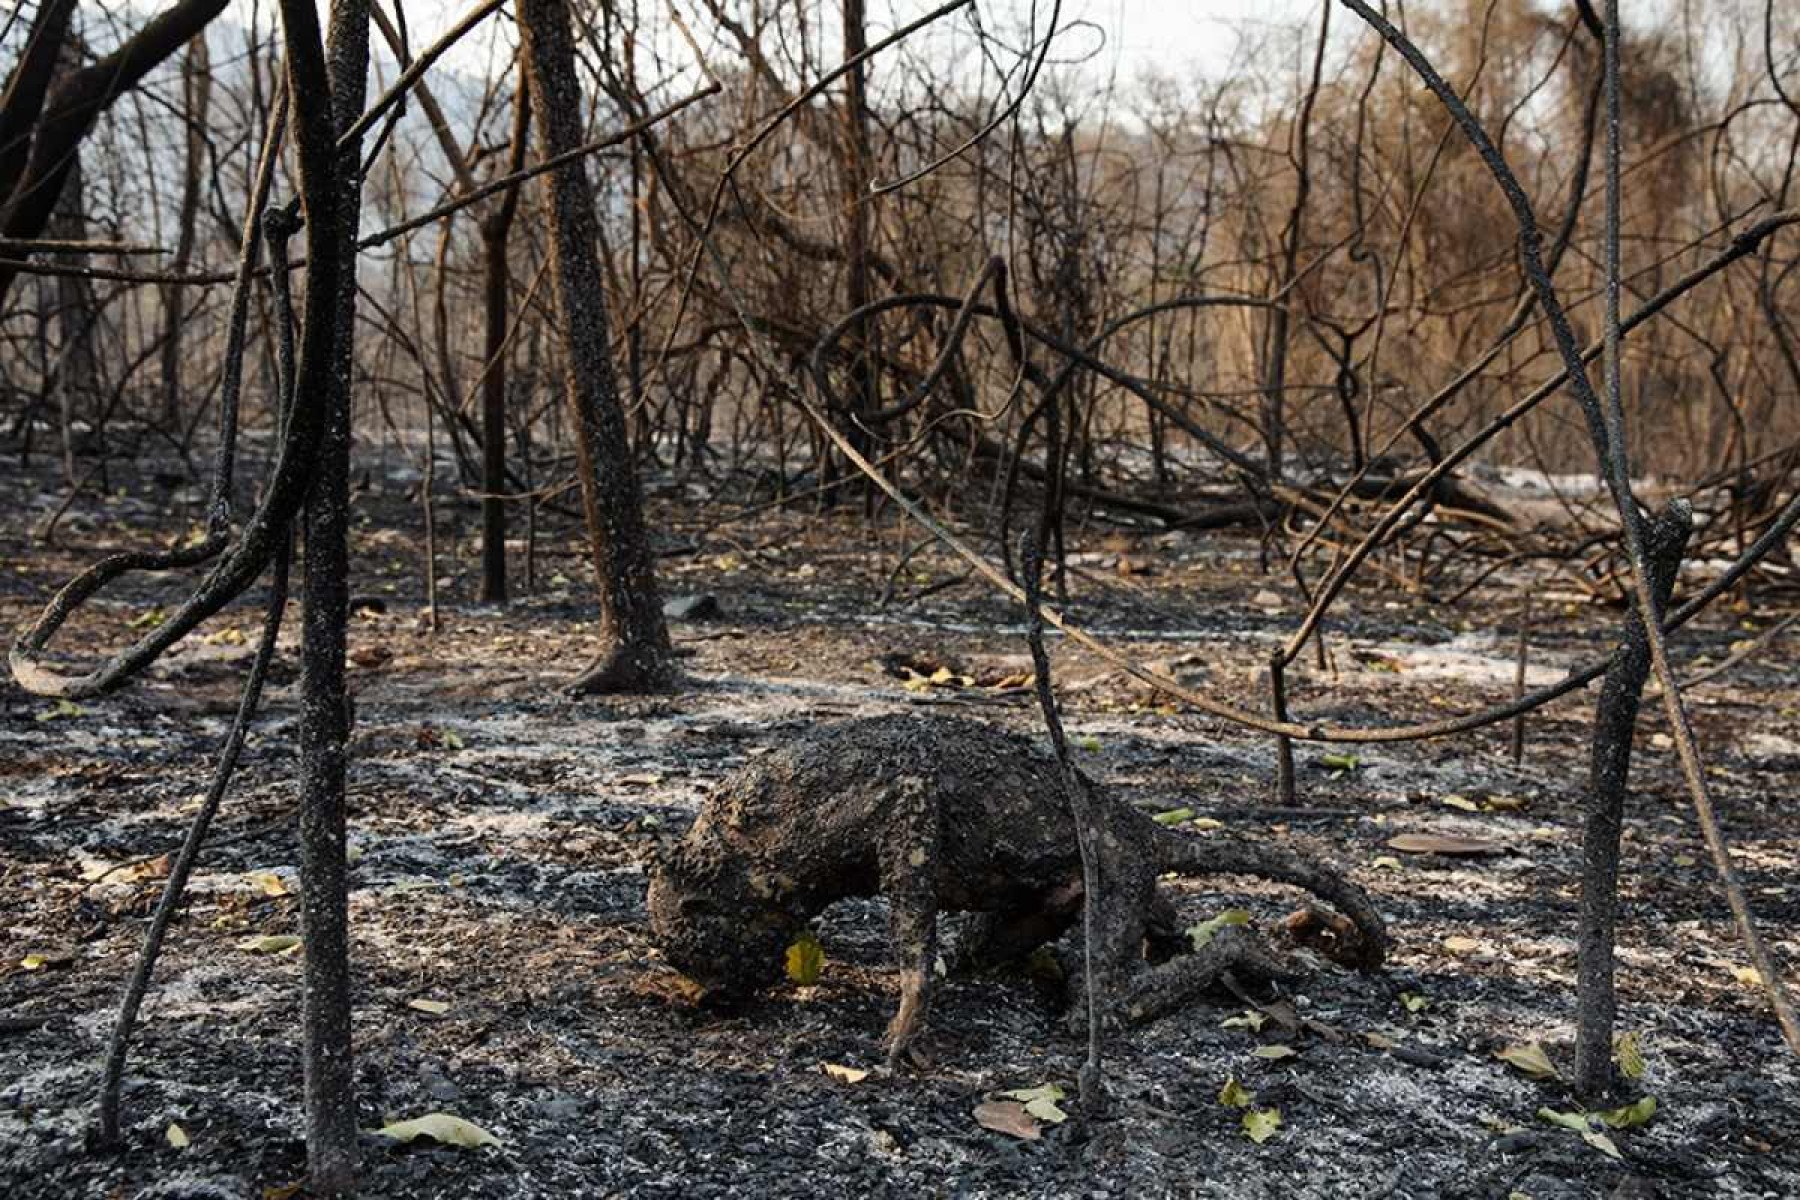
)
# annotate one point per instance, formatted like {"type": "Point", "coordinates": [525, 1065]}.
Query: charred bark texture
{"type": "Point", "coordinates": [496, 279]}
{"type": "Point", "coordinates": [196, 78]}
{"type": "Point", "coordinates": [59, 121]}
{"type": "Point", "coordinates": [27, 88]}
{"type": "Point", "coordinates": [635, 654]}
{"type": "Point", "coordinates": [1615, 720]}
{"type": "Point", "coordinates": [331, 192]}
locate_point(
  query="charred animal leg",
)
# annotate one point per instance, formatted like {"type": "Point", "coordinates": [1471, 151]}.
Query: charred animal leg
{"type": "Point", "coordinates": [1127, 889]}
{"type": "Point", "coordinates": [909, 866]}
{"type": "Point", "coordinates": [1224, 856]}
{"type": "Point", "coordinates": [1160, 989]}
{"type": "Point", "coordinates": [992, 939]}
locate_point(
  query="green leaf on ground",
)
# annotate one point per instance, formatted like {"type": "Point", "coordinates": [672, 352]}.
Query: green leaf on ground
{"type": "Point", "coordinates": [1260, 1124]}
{"type": "Point", "coordinates": [805, 960]}
{"type": "Point", "coordinates": [1602, 1143]}
{"type": "Point", "coordinates": [1638, 1112]}
{"type": "Point", "coordinates": [1205, 931]}
{"type": "Point", "coordinates": [1040, 1102]}
{"type": "Point", "coordinates": [1628, 1052]}
{"type": "Point", "coordinates": [1235, 1094]}
{"type": "Point", "coordinates": [61, 709]}
{"type": "Point", "coordinates": [1530, 1058]}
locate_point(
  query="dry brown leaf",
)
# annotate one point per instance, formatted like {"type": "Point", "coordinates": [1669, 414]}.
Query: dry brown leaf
{"type": "Point", "coordinates": [1443, 843]}
{"type": "Point", "coordinates": [1008, 1117]}
{"type": "Point", "coordinates": [371, 657]}
{"type": "Point", "coordinates": [1530, 1058]}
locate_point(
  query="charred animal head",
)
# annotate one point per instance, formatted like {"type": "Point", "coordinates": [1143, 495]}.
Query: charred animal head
{"type": "Point", "coordinates": [713, 930]}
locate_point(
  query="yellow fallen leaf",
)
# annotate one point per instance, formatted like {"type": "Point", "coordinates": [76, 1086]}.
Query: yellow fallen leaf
{"type": "Point", "coordinates": [1040, 1102]}
{"type": "Point", "coordinates": [1461, 802]}
{"type": "Point", "coordinates": [63, 708]}
{"type": "Point", "coordinates": [1748, 976]}
{"type": "Point", "coordinates": [844, 1074]}
{"type": "Point", "coordinates": [270, 883]}
{"type": "Point", "coordinates": [436, 1008]}
{"type": "Point", "coordinates": [1275, 1052]}
{"type": "Point", "coordinates": [805, 960]}
{"type": "Point", "coordinates": [1235, 1094]}
{"type": "Point", "coordinates": [440, 1127]}
{"type": "Point", "coordinates": [1462, 945]}
{"type": "Point", "coordinates": [1260, 1124]}
{"type": "Point", "coordinates": [177, 1136]}
{"type": "Point", "coordinates": [1602, 1143]}
{"type": "Point", "coordinates": [1208, 929]}
{"type": "Point", "coordinates": [274, 943]}
{"type": "Point", "coordinates": [1530, 1058]}
{"type": "Point", "coordinates": [1568, 1120]}
{"type": "Point", "coordinates": [1628, 1052]}
{"type": "Point", "coordinates": [1636, 1113]}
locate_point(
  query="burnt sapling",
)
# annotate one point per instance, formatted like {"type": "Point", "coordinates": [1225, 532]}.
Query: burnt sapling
{"type": "Point", "coordinates": [942, 814]}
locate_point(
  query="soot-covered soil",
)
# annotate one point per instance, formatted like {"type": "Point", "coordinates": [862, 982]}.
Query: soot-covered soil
{"type": "Point", "coordinates": [497, 830]}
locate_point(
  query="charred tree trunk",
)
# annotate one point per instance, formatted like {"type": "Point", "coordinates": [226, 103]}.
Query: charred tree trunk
{"type": "Point", "coordinates": [331, 190]}
{"type": "Point", "coordinates": [495, 282]}
{"type": "Point", "coordinates": [78, 389]}
{"type": "Point", "coordinates": [635, 654]}
{"type": "Point", "coordinates": [197, 86]}
{"type": "Point", "coordinates": [60, 120]}
{"type": "Point", "coordinates": [864, 383]}
{"type": "Point", "coordinates": [1615, 720]}
{"type": "Point", "coordinates": [26, 89]}
{"type": "Point", "coordinates": [1274, 414]}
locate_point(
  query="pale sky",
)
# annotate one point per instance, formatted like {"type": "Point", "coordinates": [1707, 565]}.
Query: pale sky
{"type": "Point", "coordinates": [1172, 36]}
